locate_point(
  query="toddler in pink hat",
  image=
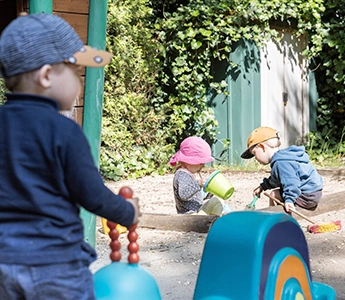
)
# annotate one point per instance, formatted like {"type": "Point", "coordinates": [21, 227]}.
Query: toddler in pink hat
{"type": "Point", "coordinates": [189, 197]}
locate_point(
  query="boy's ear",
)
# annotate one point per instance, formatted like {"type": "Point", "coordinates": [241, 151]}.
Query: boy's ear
{"type": "Point", "coordinates": [262, 146]}
{"type": "Point", "coordinates": [45, 76]}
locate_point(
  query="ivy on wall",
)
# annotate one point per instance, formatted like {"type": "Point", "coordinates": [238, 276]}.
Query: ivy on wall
{"type": "Point", "coordinates": [2, 91]}
{"type": "Point", "coordinates": [133, 134]}
{"type": "Point", "coordinates": [197, 32]}
{"type": "Point", "coordinates": [176, 42]}
{"type": "Point", "coordinates": [329, 139]}
{"type": "Point", "coordinates": [155, 87]}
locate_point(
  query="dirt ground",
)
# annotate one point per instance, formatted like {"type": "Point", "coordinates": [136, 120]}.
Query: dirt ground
{"type": "Point", "coordinates": [173, 257]}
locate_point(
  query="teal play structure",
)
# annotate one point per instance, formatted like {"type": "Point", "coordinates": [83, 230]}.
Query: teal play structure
{"type": "Point", "coordinates": [247, 256]}
{"type": "Point", "coordinates": [124, 281]}
{"type": "Point", "coordinates": [257, 255]}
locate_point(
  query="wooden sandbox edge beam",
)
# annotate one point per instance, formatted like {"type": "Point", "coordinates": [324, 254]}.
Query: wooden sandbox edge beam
{"type": "Point", "coordinates": [328, 203]}
{"type": "Point", "coordinates": [197, 223]}
{"type": "Point", "coordinates": [202, 223]}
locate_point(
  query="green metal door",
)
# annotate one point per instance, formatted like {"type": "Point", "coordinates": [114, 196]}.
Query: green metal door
{"type": "Point", "coordinates": [238, 109]}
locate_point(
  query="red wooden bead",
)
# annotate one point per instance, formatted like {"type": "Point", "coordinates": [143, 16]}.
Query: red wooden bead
{"type": "Point", "coordinates": [115, 245]}
{"type": "Point", "coordinates": [114, 234]}
{"type": "Point", "coordinates": [126, 192]}
{"type": "Point", "coordinates": [133, 227]}
{"type": "Point", "coordinates": [133, 247]}
{"type": "Point", "coordinates": [111, 225]}
{"type": "Point", "coordinates": [115, 256]}
{"type": "Point", "coordinates": [133, 258]}
{"type": "Point", "coordinates": [132, 236]}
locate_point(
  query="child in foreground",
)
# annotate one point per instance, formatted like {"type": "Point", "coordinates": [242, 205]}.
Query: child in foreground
{"type": "Point", "coordinates": [294, 179]}
{"type": "Point", "coordinates": [189, 196]}
{"type": "Point", "coordinates": [46, 167]}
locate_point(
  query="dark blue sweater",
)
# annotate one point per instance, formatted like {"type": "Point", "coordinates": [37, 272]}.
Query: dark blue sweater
{"type": "Point", "coordinates": [46, 174]}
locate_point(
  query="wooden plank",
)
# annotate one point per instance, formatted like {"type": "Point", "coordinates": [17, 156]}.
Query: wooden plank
{"type": "Point", "coordinates": [197, 223]}
{"type": "Point", "coordinates": [75, 114]}
{"type": "Point", "coordinates": [78, 22]}
{"type": "Point", "coordinates": [80, 100]}
{"type": "Point", "coordinates": [71, 6]}
{"type": "Point", "coordinates": [22, 6]}
{"type": "Point", "coordinates": [78, 115]}
{"type": "Point", "coordinates": [202, 223]}
{"type": "Point", "coordinates": [328, 203]}
{"type": "Point", "coordinates": [335, 173]}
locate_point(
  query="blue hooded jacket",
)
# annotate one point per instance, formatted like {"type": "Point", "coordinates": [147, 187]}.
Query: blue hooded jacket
{"type": "Point", "coordinates": [293, 173]}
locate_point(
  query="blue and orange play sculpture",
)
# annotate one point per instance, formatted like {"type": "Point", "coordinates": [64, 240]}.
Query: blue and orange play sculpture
{"type": "Point", "coordinates": [124, 281]}
{"type": "Point", "coordinates": [247, 256]}
{"type": "Point", "coordinates": [257, 256]}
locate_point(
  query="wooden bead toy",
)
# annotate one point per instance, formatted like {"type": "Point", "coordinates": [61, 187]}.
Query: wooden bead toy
{"type": "Point", "coordinates": [125, 281]}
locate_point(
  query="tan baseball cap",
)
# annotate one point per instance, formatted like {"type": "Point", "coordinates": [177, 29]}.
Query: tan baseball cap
{"type": "Point", "coordinates": [259, 135]}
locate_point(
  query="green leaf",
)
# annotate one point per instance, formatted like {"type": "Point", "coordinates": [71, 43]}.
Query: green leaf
{"type": "Point", "coordinates": [205, 32]}
{"type": "Point", "coordinates": [195, 44]}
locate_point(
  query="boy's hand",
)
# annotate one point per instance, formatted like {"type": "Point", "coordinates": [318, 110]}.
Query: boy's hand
{"type": "Point", "coordinates": [258, 191]}
{"type": "Point", "coordinates": [137, 213]}
{"type": "Point", "coordinates": [289, 206]}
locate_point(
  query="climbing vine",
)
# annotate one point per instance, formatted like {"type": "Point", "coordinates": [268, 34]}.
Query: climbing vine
{"type": "Point", "coordinates": [155, 88]}
{"type": "Point", "coordinates": [201, 31]}
{"type": "Point", "coordinates": [163, 56]}
{"type": "Point", "coordinates": [2, 91]}
{"type": "Point", "coordinates": [133, 137]}
{"type": "Point", "coordinates": [329, 142]}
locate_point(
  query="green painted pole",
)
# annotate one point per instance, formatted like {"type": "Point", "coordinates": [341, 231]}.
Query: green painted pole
{"type": "Point", "coordinates": [93, 99]}
{"type": "Point", "coordinates": [40, 6]}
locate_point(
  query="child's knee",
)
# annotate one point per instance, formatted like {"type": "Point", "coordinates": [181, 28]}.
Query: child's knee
{"type": "Point", "coordinates": [276, 194]}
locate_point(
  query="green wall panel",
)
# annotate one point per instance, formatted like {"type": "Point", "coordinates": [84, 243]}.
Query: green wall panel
{"type": "Point", "coordinates": [40, 6]}
{"type": "Point", "coordinates": [237, 112]}
{"type": "Point", "coordinates": [313, 97]}
{"type": "Point", "coordinates": [93, 100]}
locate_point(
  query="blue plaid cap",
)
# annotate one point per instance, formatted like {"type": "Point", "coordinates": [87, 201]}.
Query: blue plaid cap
{"type": "Point", "coordinates": [31, 41]}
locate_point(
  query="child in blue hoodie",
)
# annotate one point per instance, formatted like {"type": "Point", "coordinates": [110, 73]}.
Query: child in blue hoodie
{"type": "Point", "coordinates": [294, 179]}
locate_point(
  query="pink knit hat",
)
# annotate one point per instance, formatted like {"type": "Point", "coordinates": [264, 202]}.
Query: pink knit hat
{"type": "Point", "coordinates": [193, 151]}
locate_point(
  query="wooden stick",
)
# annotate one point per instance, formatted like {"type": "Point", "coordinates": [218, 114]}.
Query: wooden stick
{"type": "Point", "coordinates": [328, 203]}
{"type": "Point", "coordinates": [294, 211]}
